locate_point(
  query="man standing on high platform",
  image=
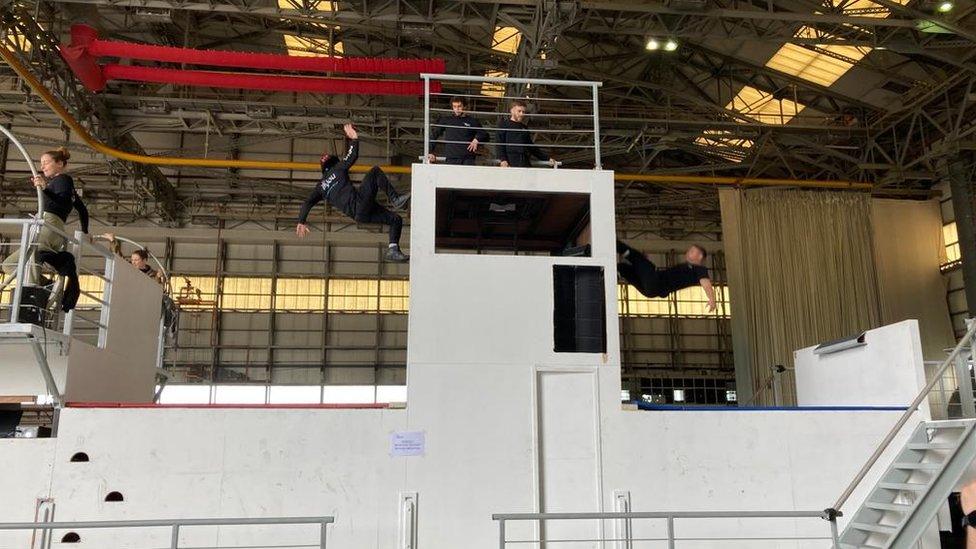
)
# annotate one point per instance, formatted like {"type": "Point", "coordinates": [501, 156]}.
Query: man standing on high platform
{"type": "Point", "coordinates": [461, 133]}
{"type": "Point", "coordinates": [637, 269]}
{"type": "Point", "coordinates": [515, 145]}
{"type": "Point", "coordinates": [358, 203]}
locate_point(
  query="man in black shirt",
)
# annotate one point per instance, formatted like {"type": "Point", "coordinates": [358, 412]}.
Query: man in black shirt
{"type": "Point", "coordinates": [358, 203]}
{"type": "Point", "coordinates": [461, 134]}
{"type": "Point", "coordinates": [515, 145]}
{"type": "Point", "coordinates": [637, 269]}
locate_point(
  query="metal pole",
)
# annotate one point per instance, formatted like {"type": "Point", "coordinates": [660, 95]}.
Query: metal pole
{"type": "Point", "coordinates": [30, 164]}
{"type": "Point", "coordinates": [175, 539]}
{"type": "Point", "coordinates": [501, 534]}
{"type": "Point", "coordinates": [963, 198]}
{"type": "Point", "coordinates": [596, 127]}
{"type": "Point", "coordinates": [426, 118]}
{"type": "Point", "coordinates": [833, 533]}
{"type": "Point", "coordinates": [19, 284]}
{"type": "Point", "coordinates": [670, 532]}
{"type": "Point", "coordinates": [322, 534]}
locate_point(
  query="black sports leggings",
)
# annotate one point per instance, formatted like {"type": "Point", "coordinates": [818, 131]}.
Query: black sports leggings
{"type": "Point", "coordinates": [639, 271]}
{"type": "Point", "coordinates": [367, 210]}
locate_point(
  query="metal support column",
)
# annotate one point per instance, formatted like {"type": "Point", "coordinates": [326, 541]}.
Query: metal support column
{"type": "Point", "coordinates": [960, 175]}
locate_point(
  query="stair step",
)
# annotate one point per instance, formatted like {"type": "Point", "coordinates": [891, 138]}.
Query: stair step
{"type": "Point", "coordinates": [876, 528]}
{"type": "Point", "coordinates": [853, 546]}
{"type": "Point", "coordinates": [909, 486]}
{"type": "Point", "coordinates": [899, 507]}
{"type": "Point", "coordinates": [931, 446]}
{"type": "Point", "coordinates": [919, 466]}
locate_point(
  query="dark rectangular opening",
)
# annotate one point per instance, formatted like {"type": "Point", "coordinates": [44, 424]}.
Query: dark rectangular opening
{"type": "Point", "coordinates": [510, 222]}
{"type": "Point", "coordinates": [579, 312]}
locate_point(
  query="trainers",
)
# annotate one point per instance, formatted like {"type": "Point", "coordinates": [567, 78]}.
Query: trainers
{"type": "Point", "coordinates": [400, 201]}
{"type": "Point", "coordinates": [394, 254]}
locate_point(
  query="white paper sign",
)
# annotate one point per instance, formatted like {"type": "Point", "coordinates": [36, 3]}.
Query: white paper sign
{"type": "Point", "coordinates": [409, 443]}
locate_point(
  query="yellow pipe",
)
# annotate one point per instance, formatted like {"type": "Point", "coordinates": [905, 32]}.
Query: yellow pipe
{"type": "Point", "coordinates": [94, 143]}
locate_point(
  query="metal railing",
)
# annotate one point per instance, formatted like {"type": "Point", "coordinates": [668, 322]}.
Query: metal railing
{"type": "Point", "coordinates": [175, 526]}
{"type": "Point", "coordinates": [91, 315]}
{"type": "Point", "coordinates": [564, 110]}
{"type": "Point", "coordinates": [622, 529]}
{"type": "Point", "coordinates": [958, 358]}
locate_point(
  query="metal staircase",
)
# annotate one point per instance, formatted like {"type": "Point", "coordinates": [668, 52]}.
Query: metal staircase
{"type": "Point", "coordinates": [910, 492]}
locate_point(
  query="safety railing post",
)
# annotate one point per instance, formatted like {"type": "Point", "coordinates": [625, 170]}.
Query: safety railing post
{"type": "Point", "coordinates": [596, 128]}
{"type": "Point", "coordinates": [501, 534]}
{"type": "Point", "coordinates": [107, 298]}
{"type": "Point", "coordinates": [323, 532]}
{"type": "Point", "coordinates": [426, 118]}
{"type": "Point", "coordinates": [19, 281]}
{"type": "Point", "coordinates": [175, 538]}
{"type": "Point", "coordinates": [670, 532]}
{"type": "Point", "coordinates": [834, 535]}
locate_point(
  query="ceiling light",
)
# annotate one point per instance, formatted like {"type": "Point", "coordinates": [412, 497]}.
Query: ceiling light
{"type": "Point", "coordinates": [670, 45]}
{"type": "Point", "coordinates": [945, 7]}
{"type": "Point", "coordinates": [653, 44]}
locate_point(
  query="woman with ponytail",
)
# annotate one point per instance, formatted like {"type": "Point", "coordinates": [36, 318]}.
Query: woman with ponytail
{"type": "Point", "coordinates": [59, 198]}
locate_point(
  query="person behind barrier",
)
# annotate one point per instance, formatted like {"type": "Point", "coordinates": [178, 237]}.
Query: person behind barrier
{"type": "Point", "coordinates": [637, 269]}
{"type": "Point", "coordinates": [359, 203]}
{"type": "Point", "coordinates": [515, 146]}
{"type": "Point", "coordinates": [58, 198]}
{"type": "Point", "coordinates": [462, 132]}
{"type": "Point", "coordinates": [139, 258]}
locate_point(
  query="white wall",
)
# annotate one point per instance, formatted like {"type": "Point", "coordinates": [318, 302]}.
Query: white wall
{"type": "Point", "coordinates": [887, 371]}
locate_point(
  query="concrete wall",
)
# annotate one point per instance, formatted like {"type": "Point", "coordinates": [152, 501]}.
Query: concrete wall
{"type": "Point", "coordinates": [888, 370]}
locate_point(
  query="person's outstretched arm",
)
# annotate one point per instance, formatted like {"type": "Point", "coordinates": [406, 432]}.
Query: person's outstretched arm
{"type": "Point", "coordinates": [302, 228]}
{"type": "Point", "coordinates": [352, 153]}
{"type": "Point", "coordinates": [706, 284]}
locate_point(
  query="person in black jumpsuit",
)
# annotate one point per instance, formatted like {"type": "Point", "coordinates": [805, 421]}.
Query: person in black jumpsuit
{"type": "Point", "coordinates": [515, 145]}
{"type": "Point", "coordinates": [58, 199]}
{"type": "Point", "coordinates": [650, 281]}
{"type": "Point", "coordinates": [358, 203]}
{"type": "Point", "coordinates": [462, 133]}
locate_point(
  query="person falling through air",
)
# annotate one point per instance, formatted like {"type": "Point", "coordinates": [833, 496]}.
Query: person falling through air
{"type": "Point", "coordinates": [650, 281]}
{"type": "Point", "coordinates": [359, 203]}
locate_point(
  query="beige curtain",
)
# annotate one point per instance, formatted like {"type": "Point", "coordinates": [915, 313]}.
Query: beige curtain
{"type": "Point", "coordinates": [801, 271]}
{"type": "Point", "coordinates": [908, 250]}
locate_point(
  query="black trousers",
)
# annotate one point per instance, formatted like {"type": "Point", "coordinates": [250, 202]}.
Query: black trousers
{"type": "Point", "coordinates": [460, 160]}
{"type": "Point", "coordinates": [639, 271]}
{"type": "Point", "coordinates": [64, 264]}
{"type": "Point", "coordinates": [367, 210]}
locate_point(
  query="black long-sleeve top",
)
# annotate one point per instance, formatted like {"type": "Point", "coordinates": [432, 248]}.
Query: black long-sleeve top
{"type": "Point", "coordinates": [463, 128]}
{"type": "Point", "coordinates": [335, 186]}
{"type": "Point", "coordinates": [59, 197]}
{"type": "Point", "coordinates": [517, 146]}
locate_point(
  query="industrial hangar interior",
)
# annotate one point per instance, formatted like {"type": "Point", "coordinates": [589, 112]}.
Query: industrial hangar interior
{"type": "Point", "coordinates": [816, 160]}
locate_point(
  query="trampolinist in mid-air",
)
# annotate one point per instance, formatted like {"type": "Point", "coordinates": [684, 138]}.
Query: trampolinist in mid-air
{"type": "Point", "coordinates": [641, 272]}
{"type": "Point", "coordinates": [359, 203]}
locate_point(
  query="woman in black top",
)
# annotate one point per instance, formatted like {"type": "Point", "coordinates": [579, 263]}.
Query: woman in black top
{"type": "Point", "coordinates": [59, 198]}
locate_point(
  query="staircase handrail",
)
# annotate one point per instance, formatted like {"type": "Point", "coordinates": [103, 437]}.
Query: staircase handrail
{"type": "Point", "coordinates": [964, 342]}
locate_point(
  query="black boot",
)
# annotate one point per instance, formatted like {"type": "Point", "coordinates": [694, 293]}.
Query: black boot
{"type": "Point", "coordinates": [399, 201]}
{"type": "Point", "coordinates": [394, 254]}
{"type": "Point", "coordinates": [72, 291]}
